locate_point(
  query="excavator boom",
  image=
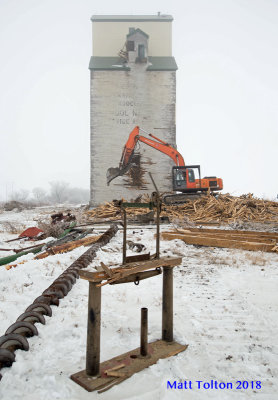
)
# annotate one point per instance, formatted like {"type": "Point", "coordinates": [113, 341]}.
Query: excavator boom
{"type": "Point", "coordinates": [128, 151]}
{"type": "Point", "coordinates": [183, 176]}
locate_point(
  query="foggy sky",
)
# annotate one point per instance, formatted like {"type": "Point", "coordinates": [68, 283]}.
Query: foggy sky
{"type": "Point", "coordinates": [227, 87]}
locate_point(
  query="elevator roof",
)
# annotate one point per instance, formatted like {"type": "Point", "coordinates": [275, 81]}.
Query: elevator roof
{"type": "Point", "coordinates": [131, 18]}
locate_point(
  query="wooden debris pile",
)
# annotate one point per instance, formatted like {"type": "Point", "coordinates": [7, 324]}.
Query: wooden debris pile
{"type": "Point", "coordinates": [225, 208]}
{"type": "Point", "coordinates": [112, 211]}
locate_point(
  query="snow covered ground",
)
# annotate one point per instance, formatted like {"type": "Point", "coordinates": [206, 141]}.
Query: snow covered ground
{"type": "Point", "coordinates": [225, 305]}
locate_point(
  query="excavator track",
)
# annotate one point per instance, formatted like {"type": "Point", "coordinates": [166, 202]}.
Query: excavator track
{"type": "Point", "coordinates": [180, 198]}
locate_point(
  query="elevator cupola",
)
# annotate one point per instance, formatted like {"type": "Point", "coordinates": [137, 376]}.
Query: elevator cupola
{"type": "Point", "coordinates": [137, 45]}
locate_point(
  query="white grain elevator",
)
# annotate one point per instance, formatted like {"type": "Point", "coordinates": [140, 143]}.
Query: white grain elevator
{"type": "Point", "coordinates": [133, 82]}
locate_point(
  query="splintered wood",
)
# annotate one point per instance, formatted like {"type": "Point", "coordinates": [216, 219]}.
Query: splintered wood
{"type": "Point", "coordinates": [207, 209]}
{"type": "Point", "coordinates": [227, 209]}
{"type": "Point", "coordinates": [112, 211]}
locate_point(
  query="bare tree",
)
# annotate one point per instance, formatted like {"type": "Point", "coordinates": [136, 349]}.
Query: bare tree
{"type": "Point", "coordinates": [59, 191]}
{"type": "Point", "coordinates": [20, 195]}
{"type": "Point", "coordinates": [40, 195]}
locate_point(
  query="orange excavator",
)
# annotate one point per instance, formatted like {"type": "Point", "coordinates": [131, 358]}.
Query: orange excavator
{"type": "Point", "coordinates": [183, 176]}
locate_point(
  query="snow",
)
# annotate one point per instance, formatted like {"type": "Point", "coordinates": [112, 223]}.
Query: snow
{"type": "Point", "coordinates": [225, 309]}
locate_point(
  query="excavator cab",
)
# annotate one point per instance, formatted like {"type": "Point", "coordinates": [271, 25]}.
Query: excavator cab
{"type": "Point", "coordinates": [184, 178]}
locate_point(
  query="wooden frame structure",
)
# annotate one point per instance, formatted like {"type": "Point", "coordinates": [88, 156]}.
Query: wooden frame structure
{"type": "Point", "coordinates": [103, 376]}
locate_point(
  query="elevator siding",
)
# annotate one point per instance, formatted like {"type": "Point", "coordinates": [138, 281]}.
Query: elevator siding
{"type": "Point", "coordinates": [120, 100]}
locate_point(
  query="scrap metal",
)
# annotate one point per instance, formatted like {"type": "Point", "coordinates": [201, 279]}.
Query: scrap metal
{"type": "Point", "coordinates": [15, 336]}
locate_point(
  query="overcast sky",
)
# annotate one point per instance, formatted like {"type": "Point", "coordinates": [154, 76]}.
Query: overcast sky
{"type": "Point", "coordinates": [227, 89]}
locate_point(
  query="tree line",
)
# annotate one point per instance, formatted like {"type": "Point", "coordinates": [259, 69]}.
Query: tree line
{"type": "Point", "coordinates": [59, 192]}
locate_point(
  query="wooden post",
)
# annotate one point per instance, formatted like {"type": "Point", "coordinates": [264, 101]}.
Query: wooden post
{"type": "Point", "coordinates": [167, 304]}
{"type": "Point", "coordinates": [144, 332]}
{"type": "Point", "coordinates": [93, 330]}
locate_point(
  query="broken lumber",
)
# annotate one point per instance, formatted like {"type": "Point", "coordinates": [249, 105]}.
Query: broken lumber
{"type": "Point", "coordinates": [63, 248]}
{"type": "Point", "coordinates": [66, 247]}
{"type": "Point", "coordinates": [206, 210]}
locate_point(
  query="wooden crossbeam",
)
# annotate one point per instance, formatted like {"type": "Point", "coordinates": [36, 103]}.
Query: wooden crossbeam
{"type": "Point", "coordinates": [138, 276]}
{"type": "Point", "coordinates": [129, 269]}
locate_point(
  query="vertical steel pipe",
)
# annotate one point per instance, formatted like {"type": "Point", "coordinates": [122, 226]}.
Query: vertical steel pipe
{"type": "Point", "coordinates": [167, 304]}
{"type": "Point", "coordinates": [157, 229]}
{"type": "Point", "coordinates": [144, 332]}
{"type": "Point", "coordinates": [93, 330]}
{"type": "Point", "coordinates": [124, 237]}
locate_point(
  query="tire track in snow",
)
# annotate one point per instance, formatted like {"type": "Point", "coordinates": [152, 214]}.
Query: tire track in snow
{"type": "Point", "coordinates": [223, 325]}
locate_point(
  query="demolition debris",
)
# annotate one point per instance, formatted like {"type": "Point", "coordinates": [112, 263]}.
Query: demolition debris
{"type": "Point", "coordinates": [207, 209]}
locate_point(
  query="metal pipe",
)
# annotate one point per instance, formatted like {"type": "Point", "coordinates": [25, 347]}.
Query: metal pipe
{"type": "Point", "coordinates": [144, 332]}
{"type": "Point", "coordinates": [156, 189]}
{"type": "Point", "coordinates": [124, 237]}
{"type": "Point", "coordinates": [157, 229]}
{"type": "Point", "coordinates": [167, 304]}
{"type": "Point", "coordinates": [93, 330]}
{"type": "Point", "coordinates": [157, 201]}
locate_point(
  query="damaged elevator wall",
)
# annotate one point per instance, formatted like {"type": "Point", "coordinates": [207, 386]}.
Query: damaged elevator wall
{"type": "Point", "coordinates": [124, 95]}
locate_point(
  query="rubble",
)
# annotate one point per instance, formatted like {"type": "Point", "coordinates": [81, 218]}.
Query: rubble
{"type": "Point", "coordinates": [206, 210]}
{"type": "Point", "coordinates": [14, 205]}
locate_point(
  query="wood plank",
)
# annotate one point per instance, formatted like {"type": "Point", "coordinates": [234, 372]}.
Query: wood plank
{"type": "Point", "coordinates": [115, 368]}
{"type": "Point", "coordinates": [138, 257]}
{"type": "Point", "coordinates": [131, 268]}
{"type": "Point", "coordinates": [66, 247]}
{"type": "Point", "coordinates": [221, 235]}
{"type": "Point", "coordinates": [273, 235]}
{"type": "Point", "coordinates": [117, 374]}
{"type": "Point", "coordinates": [217, 242]}
{"type": "Point", "coordinates": [133, 363]}
{"type": "Point", "coordinates": [140, 276]}
{"type": "Point", "coordinates": [143, 266]}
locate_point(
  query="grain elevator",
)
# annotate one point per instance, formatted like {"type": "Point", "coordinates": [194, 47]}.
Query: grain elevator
{"type": "Point", "coordinates": [133, 82]}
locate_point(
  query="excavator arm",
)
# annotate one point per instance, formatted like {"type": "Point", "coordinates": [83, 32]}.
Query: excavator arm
{"type": "Point", "coordinates": [128, 151]}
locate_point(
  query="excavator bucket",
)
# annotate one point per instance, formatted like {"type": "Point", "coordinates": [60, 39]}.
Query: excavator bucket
{"type": "Point", "coordinates": [112, 173]}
